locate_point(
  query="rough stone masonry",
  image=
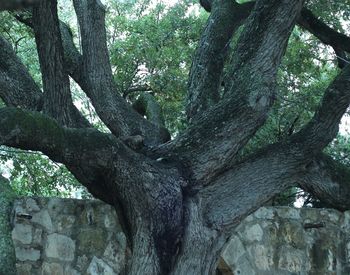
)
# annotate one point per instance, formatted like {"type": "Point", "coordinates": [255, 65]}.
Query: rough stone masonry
{"type": "Point", "coordinates": [70, 237]}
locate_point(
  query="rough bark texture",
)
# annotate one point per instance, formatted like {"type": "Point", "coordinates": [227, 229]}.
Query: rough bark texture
{"type": "Point", "coordinates": [177, 201]}
{"type": "Point", "coordinates": [17, 87]}
{"type": "Point", "coordinates": [57, 97]}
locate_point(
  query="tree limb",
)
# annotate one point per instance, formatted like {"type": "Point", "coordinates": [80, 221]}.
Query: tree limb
{"type": "Point", "coordinates": [328, 180]}
{"type": "Point", "coordinates": [98, 83]}
{"type": "Point", "coordinates": [57, 96]}
{"type": "Point", "coordinates": [208, 62]}
{"type": "Point", "coordinates": [103, 164]}
{"type": "Point", "coordinates": [17, 87]}
{"type": "Point", "coordinates": [72, 147]}
{"type": "Point", "coordinates": [216, 136]}
{"type": "Point", "coordinates": [239, 191]}
{"type": "Point", "coordinates": [323, 127]}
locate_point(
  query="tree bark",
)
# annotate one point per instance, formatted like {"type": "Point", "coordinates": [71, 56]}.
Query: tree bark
{"type": "Point", "coordinates": [57, 96]}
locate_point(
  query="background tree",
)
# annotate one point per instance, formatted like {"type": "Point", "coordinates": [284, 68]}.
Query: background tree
{"type": "Point", "coordinates": [255, 124]}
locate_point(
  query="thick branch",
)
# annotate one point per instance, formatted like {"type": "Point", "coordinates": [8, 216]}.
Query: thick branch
{"type": "Point", "coordinates": [329, 181]}
{"type": "Point", "coordinates": [216, 136]}
{"type": "Point", "coordinates": [239, 191]}
{"type": "Point", "coordinates": [57, 96]}
{"type": "Point", "coordinates": [208, 62]}
{"type": "Point", "coordinates": [17, 87]}
{"type": "Point", "coordinates": [73, 147]}
{"type": "Point", "coordinates": [97, 79]}
{"type": "Point", "coordinates": [325, 124]}
{"type": "Point", "coordinates": [103, 164]}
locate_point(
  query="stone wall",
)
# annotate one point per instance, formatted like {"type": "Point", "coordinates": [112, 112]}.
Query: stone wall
{"type": "Point", "coordinates": [290, 241]}
{"type": "Point", "coordinates": [66, 236]}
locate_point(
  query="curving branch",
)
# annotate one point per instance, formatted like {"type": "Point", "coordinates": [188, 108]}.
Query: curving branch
{"type": "Point", "coordinates": [57, 100]}
{"type": "Point", "coordinates": [17, 87]}
{"type": "Point", "coordinates": [97, 80]}
{"type": "Point", "coordinates": [208, 62]}
{"type": "Point", "coordinates": [323, 127]}
{"type": "Point", "coordinates": [328, 180]}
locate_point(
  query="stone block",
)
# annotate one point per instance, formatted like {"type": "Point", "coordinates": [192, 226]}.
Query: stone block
{"type": "Point", "coordinates": [22, 233]}
{"type": "Point", "coordinates": [32, 205]}
{"type": "Point", "coordinates": [43, 218]}
{"type": "Point", "coordinates": [60, 247]}
{"type": "Point", "coordinates": [253, 233]}
{"type": "Point", "coordinates": [52, 269]}
{"type": "Point", "coordinates": [27, 254]}
{"type": "Point", "coordinates": [99, 267]}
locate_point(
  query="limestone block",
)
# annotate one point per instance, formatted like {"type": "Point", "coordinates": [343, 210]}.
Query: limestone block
{"type": "Point", "coordinates": [233, 251]}
{"type": "Point", "coordinates": [43, 218]}
{"type": "Point", "coordinates": [52, 269]}
{"type": "Point", "coordinates": [332, 215]}
{"type": "Point", "coordinates": [37, 236]}
{"type": "Point", "coordinates": [68, 270]}
{"type": "Point", "coordinates": [92, 240]}
{"type": "Point", "coordinates": [22, 233]}
{"type": "Point", "coordinates": [65, 222]}
{"type": "Point", "coordinates": [262, 256]}
{"type": "Point", "coordinates": [27, 254]}
{"type": "Point", "coordinates": [293, 260]}
{"type": "Point", "coordinates": [243, 267]}
{"type": "Point", "coordinates": [60, 247]}
{"type": "Point", "coordinates": [254, 233]}
{"type": "Point", "coordinates": [265, 213]}
{"type": "Point", "coordinates": [114, 253]}
{"type": "Point", "coordinates": [288, 213]}
{"type": "Point", "coordinates": [32, 205]}
{"type": "Point", "coordinates": [24, 269]}
{"type": "Point", "coordinates": [99, 267]}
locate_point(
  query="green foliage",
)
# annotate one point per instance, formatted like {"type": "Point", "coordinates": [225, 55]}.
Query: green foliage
{"type": "Point", "coordinates": [32, 173]}
{"type": "Point", "coordinates": [154, 47]}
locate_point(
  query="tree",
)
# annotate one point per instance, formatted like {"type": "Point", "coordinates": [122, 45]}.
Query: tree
{"type": "Point", "coordinates": [179, 199]}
